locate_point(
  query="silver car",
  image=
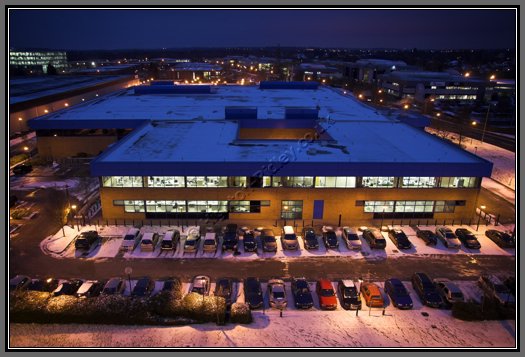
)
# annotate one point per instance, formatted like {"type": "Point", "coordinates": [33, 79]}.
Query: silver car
{"type": "Point", "coordinates": [289, 239]}
{"type": "Point", "coordinates": [449, 239]}
{"type": "Point", "coordinates": [351, 238]}
{"type": "Point", "coordinates": [449, 291]}
{"type": "Point", "coordinates": [277, 294]}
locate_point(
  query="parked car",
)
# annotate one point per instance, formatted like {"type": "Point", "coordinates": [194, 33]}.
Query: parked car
{"type": "Point", "coordinates": [289, 239]}
{"type": "Point", "coordinates": [22, 169]}
{"type": "Point", "coordinates": [326, 294]}
{"type": "Point", "coordinates": [85, 240]}
{"type": "Point", "coordinates": [399, 238]}
{"type": "Point", "coordinates": [170, 285]}
{"type": "Point", "coordinates": [301, 294]}
{"type": "Point", "coordinates": [114, 286]}
{"type": "Point", "coordinates": [201, 285]}
{"type": "Point", "coordinates": [230, 238]}
{"type": "Point", "coordinates": [249, 242]}
{"type": "Point", "coordinates": [330, 239]}
{"type": "Point", "coordinates": [253, 295]}
{"type": "Point", "coordinates": [144, 287]}
{"type": "Point", "coordinates": [191, 245]}
{"type": "Point", "coordinates": [349, 296]}
{"type": "Point", "coordinates": [130, 239]}
{"type": "Point", "coordinates": [231, 228]}
{"type": "Point", "coordinates": [90, 288]}
{"type": "Point", "coordinates": [450, 292]}
{"type": "Point", "coordinates": [277, 293]}
{"type": "Point", "coordinates": [268, 240]}
{"type": "Point", "coordinates": [149, 242]}
{"type": "Point", "coordinates": [224, 288]}
{"type": "Point", "coordinates": [170, 240]}
{"type": "Point", "coordinates": [47, 285]}
{"type": "Point", "coordinates": [374, 238]}
{"type": "Point", "coordinates": [68, 287]}
{"type": "Point", "coordinates": [310, 238]}
{"type": "Point", "coordinates": [426, 290]}
{"type": "Point", "coordinates": [429, 237]}
{"type": "Point", "coordinates": [448, 238]}
{"type": "Point", "coordinates": [398, 294]}
{"type": "Point", "coordinates": [510, 283]}
{"type": "Point", "coordinates": [351, 238]}
{"type": "Point", "coordinates": [210, 243]}
{"type": "Point", "coordinates": [468, 238]}
{"type": "Point", "coordinates": [502, 239]}
{"type": "Point", "coordinates": [19, 282]}
{"type": "Point", "coordinates": [494, 288]}
{"type": "Point", "coordinates": [372, 295]}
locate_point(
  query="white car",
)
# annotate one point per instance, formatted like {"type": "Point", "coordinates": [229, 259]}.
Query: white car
{"type": "Point", "coordinates": [351, 238]}
{"type": "Point", "coordinates": [449, 239]}
{"type": "Point", "coordinates": [277, 293]}
{"type": "Point", "coordinates": [210, 243]}
{"type": "Point", "coordinates": [130, 239]}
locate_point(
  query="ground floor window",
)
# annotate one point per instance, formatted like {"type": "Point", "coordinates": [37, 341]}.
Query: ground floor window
{"type": "Point", "coordinates": [208, 206]}
{"type": "Point", "coordinates": [130, 206]}
{"type": "Point", "coordinates": [409, 206]}
{"type": "Point", "coordinates": [292, 209]}
{"type": "Point", "coordinates": [247, 206]}
{"type": "Point", "coordinates": [122, 181]}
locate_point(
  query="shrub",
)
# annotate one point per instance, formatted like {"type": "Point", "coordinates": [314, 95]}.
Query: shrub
{"type": "Point", "coordinates": [204, 309]}
{"type": "Point", "coordinates": [28, 306]}
{"type": "Point", "coordinates": [492, 310]}
{"type": "Point", "coordinates": [241, 313]}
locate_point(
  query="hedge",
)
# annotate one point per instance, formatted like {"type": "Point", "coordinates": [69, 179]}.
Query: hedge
{"type": "Point", "coordinates": [240, 313]}
{"type": "Point", "coordinates": [471, 311]}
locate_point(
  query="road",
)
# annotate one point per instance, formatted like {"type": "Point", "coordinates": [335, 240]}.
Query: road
{"type": "Point", "coordinates": [27, 258]}
{"type": "Point", "coordinates": [504, 142]}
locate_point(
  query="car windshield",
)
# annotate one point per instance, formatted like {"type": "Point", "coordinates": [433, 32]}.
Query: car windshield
{"type": "Point", "coordinates": [450, 235]}
{"type": "Point", "coordinates": [146, 241]}
{"type": "Point", "coordinates": [289, 237]}
{"type": "Point", "coordinates": [209, 242]}
{"type": "Point", "coordinates": [190, 242]}
{"type": "Point", "coordinates": [278, 294]}
{"type": "Point", "coordinates": [350, 292]}
{"type": "Point", "coordinates": [353, 237]}
{"type": "Point", "coordinates": [327, 292]}
{"type": "Point", "coordinates": [400, 291]}
{"type": "Point", "coordinates": [129, 237]}
{"type": "Point", "coordinates": [269, 239]}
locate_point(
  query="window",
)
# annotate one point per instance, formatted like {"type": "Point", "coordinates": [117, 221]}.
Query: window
{"type": "Point", "coordinates": [247, 206]}
{"type": "Point", "coordinates": [166, 181]}
{"type": "Point", "coordinates": [208, 206]}
{"type": "Point", "coordinates": [459, 182]}
{"type": "Point", "coordinates": [411, 208]}
{"type": "Point", "coordinates": [122, 181]}
{"type": "Point", "coordinates": [377, 182]}
{"type": "Point", "coordinates": [419, 182]}
{"type": "Point", "coordinates": [206, 181]}
{"type": "Point", "coordinates": [237, 181]}
{"type": "Point", "coordinates": [166, 206]}
{"type": "Point", "coordinates": [379, 206]}
{"type": "Point", "coordinates": [297, 181]}
{"type": "Point", "coordinates": [414, 206]}
{"type": "Point", "coordinates": [335, 182]}
{"type": "Point", "coordinates": [131, 206]}
{"type": "Point", "coordinates": [291, 209]}
{"type": "Point", "coordinates": [445, 206]}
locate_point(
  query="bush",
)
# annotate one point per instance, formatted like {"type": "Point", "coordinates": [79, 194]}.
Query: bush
{"type": "Point", "coordinates": [204, 309]}
{"type": "Point", "coordinates": [241, 313]}
{"type": "Point", "coordinates": [28, 306]}
{"type": "Point", "coordinates": [492, 310]}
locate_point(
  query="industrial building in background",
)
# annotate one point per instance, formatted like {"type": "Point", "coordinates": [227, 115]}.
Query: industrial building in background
{"type": "Point", "coordinates": [36, 61]}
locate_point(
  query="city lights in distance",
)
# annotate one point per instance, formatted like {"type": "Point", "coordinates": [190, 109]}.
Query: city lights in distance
{"type": "Point", "coordinates": [406, 106]}
{"type": "Point", "coordinates": [66, 104]}
{"type": "Point", "coordinates": [467, 74]}
{"type": "Point", "coordinates": [492, 77]}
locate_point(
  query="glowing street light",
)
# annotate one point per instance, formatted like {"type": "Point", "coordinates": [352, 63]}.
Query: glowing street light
{"type": "Point", "coordinates": [493, 77]}
{"type": "Point", "coordinates": [406, 106]}
{"type": "Point", "coordinates": [66, 104]}
{"type": "Point", "coordinates": [360, 96]}
{"type": "Point", "coordinates": [438, 114]}
{"type": "Point", "coordinates": [467, 74]}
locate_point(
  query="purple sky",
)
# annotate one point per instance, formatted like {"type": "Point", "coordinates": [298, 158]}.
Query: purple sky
{"type": "Point", "coordinates": [154, 29]}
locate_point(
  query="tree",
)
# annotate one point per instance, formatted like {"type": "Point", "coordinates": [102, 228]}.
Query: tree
{"type": "Point", "coordinates": [51, 70]}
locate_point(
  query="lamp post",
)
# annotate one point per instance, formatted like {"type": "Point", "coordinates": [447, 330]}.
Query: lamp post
{"type": "Point", "coordinates": [359, 295]}
{"type": "Point", "coordinates": [128, 271]}
{"type": "Point", "coordinates": [482, 207]}
{"type": "Point", "coordinates": [486, 121]}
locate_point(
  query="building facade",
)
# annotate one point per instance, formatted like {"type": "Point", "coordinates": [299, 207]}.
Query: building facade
{"type": "Point", "coordinates": [37, 60]}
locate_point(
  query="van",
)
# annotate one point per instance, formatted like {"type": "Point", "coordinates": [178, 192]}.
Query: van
{"type": "Point", "coordinates": [149, 242]}
{"type": "Point", "coordinates": [130, 239]}
{"type": "Point", "coordinates": [372, 295]}
{"type": "Point", "coordinates": [170, 240]}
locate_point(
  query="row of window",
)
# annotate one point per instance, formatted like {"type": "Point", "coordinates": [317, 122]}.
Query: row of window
{"type": "Point", "coordinates": [409, 206]}
{"type": "Point", "coordinates": [292, 181]}
{"type": "Point", "coordinates": [182, 206]}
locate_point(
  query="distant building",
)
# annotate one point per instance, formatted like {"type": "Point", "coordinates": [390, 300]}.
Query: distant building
{"type": "Point", "coordinates": [419, 85]}
{"type": "Point", "coordinates": [368, 70]}
{"type": "Point", "coordinates": [37, 61]}
{"type": "Point", "coordinates": [317, 72]}
{"type": "Point", "coordinates": [192, 72]}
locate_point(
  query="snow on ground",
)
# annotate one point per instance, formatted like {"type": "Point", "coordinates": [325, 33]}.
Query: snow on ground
{"type": "Point", "coordinates": [60, 246]}
{"type": "Point", "coordinates": [504, 161]}
{"type": "Point", "coordinates": [297, 328]}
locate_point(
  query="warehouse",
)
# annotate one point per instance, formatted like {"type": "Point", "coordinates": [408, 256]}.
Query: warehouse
{"type": "Point", "coordinates": [294, 151]}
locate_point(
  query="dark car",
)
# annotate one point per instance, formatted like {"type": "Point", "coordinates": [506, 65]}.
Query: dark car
{"type": "Point", "coordinates": [224, 288]}
{"type": "Point", "coordinates": [398, 294]}
{"type": "Point", "coordinates": [144, 287]}
{"type": "Point", "coordinates": [19, 282]}
{"type": "Point", "coordinates": [68, 287]}
{"type": "Point", "coordinates": [229, 241]}
{"type": "Point", "coordinates": [399, 238]}
{"type": "Point", "coordinates": [330, 240]}
{"type": "Point", "coordinates": [310, 238]}
{"type": "Point", "coordinates": [22, 169]}
{"type": "Point", "coordinates": [302, 294]}
{"type": "Point", "coordinates": [114, 286]}
{"type": "Point", "coordinates": [502, 239]}
{"type": "Point", "coordinates": [468, 238]}
{"type": "Point", "coordinates": [349, 295]}
{"type": "Point", "coordinates": [249, 242]}
{"type": "Point", "coordinates": [230, 228]}
{"type": "Point", "coordinates": [426, 290]}
{"type": "Point", "coordinates": [427, 236]}
{"type": "Point", "coordinates": [253, 295]}
{"type": "Point", "coordinates": [374, 238]}
{"type": "Point", "coordinates": [170, 285]}
{"type": "Point", "coordinates": [268, 240]}
{"type": "Point", "coordinates": [86, 240]}
{"type": "Point", "coordinates": [90, 288]}
{"type": "Point", "coordinates": [47, 285]}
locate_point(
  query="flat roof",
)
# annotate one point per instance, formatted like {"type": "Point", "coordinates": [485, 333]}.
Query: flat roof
{"type": "Point", "coordinates": [211, 147]}
{"type": "Point", "coordinates": [124, 109]}
{"type": "Point", "coordinates": [23, 89]}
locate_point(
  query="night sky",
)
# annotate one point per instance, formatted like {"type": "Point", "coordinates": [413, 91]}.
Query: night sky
{"type": "Point", "coordinates": [155, 29]}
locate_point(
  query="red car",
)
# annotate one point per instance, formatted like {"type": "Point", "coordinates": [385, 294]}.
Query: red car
{"type": "Point", "coordinates": [326, 293]}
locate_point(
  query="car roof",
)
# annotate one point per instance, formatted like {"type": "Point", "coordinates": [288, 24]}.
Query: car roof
{"type": "Point", "coordinates": [325, 284]}
{"type": "Point", "coordinates": [133, 231]}
{"type": "Point", "coordinates": [347, 283]}
{"type": "Point", "coordinates": [210, 235]}
{"type": "Point", "coordinates": [372, 287]}
{"type": "Point", "coordinates": [395, 281]}
{"type": "Point", "coordinates": [148, 235]}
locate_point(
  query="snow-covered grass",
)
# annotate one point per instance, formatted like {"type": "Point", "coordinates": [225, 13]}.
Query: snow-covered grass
{"type": "Point", "coordinates": [297, 328]}
{"type": "Point", "coordinates": [112, 239]}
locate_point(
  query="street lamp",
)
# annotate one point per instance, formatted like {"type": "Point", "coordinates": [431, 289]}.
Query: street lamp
{"type": "Point", "coordinates": [128, 271]}
{"type": "Point", "coordinates": [481, 208]}
{"type": "Point", "coordinates": [486, 121]}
